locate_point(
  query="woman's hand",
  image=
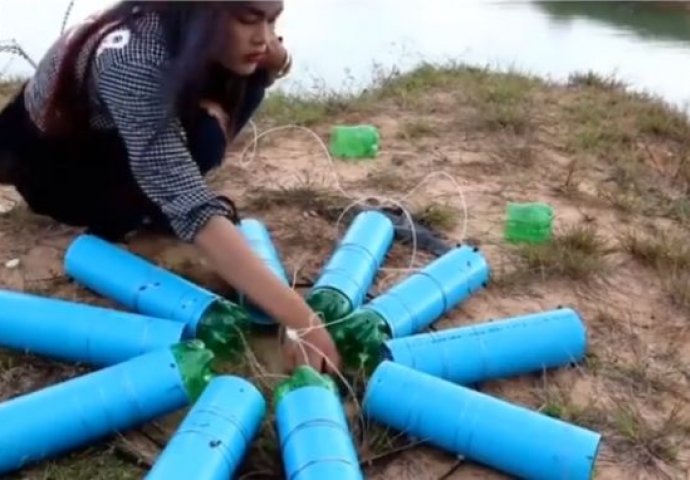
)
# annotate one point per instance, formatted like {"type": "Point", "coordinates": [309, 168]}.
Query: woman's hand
{"type": "Point", "coordinates": [277, 60]}
{"type": "Point", "coordinates": [314, 348]}
{"type": "Point", "coordinates": [228, 251]}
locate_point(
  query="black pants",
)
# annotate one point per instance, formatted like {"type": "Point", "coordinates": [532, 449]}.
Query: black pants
{"type": "Point", "coordinates": [87, 181]}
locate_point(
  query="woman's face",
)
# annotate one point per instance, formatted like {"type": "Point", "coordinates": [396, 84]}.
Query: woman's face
{"type": "Point", "coordinates": [249, 31]}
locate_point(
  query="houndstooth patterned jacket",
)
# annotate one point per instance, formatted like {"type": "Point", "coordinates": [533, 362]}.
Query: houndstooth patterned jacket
{"type": "Point", "coordinates": [123, 82]}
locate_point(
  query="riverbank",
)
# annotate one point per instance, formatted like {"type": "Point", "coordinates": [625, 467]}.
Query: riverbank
{"type": "Point", "coordinates": [614, 165]}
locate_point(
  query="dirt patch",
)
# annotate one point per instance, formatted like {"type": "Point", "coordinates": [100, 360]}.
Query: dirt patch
{"type": "Point", "coordinates": [595, 165]}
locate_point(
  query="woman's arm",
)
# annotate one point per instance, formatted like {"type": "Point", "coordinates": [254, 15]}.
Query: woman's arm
{"type": "Point", "coordinates": [232, 257]}
{"type": "Point", "coordinates": [225, 246]}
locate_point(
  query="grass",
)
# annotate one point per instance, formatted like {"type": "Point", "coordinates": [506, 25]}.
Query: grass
{"type": "Point", "coordinates": [662, 250]}
{"type": "Point", "coordinates": [677, 284]}
{"type": "Point", "coordinates": [668, 253]}
{"type": "Point", "coordinates": [576, 253]}
{"type": "Point", "coordinates": [438, 216]}
{"type": "Point", "coordinates": [555, 401]}
{"type": "Point", "coordinates": [94, 463]}
{"type": "Point", "coordinates": [593, 80]}
{"type": "Point", "coordinates": [627, 430]}
{"type": "Point", "coordinates": [306, 196]}
{"type": "Point", "coordinates": [640, 440]}
{"type": "Point", "coordinates": [416, 129]}
{"type": "Point", "coordinates": [8, 88]}
{"type": "Point", "coordinates": [388, 179]}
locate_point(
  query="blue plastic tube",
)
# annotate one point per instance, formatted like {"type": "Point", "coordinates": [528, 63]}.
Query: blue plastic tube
{"type": "Point", "coordinates": [352, 267]}
{"type": "Point", "coordinates": [314, 436]}
{"type": "Point", "coordinates": [509, 438]}
{"type": "Point", "coordinates": [136, 283]}
{"type": "Point", "coordinates": [422, 298]}
{"type": "Point", "coordinates": [491, 350]}
{"type": "Point", "coordinates": [74, 332]}
{"type": "Point", "coordinates": [259, 239]}
{"type": "Point", "coordinates": [214, 437]}
{"type": "Point", "coordinates": [86, 409]}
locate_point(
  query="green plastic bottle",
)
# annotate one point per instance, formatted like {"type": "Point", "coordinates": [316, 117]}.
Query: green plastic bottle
{"type": "Point", "coordinates": [222, 328]}
{"type": "Point", "coordinates": [355, 141]}
{"type": "Point", "coordinates": [195, 363]}
{"type": "Point", "coordinates": [303, 376]}
{"type": "Point", "coordinates": [330, 304]}
{"type": "Point", "coordinates": [360, 337]}
{"type": "Point", "coordinates": [358, 334]}
{"type": "Point", "coordinates": [529, 222]}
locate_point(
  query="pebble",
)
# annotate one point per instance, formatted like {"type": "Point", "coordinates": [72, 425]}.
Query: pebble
{"type": "Point", "coordinates": [11, 264]}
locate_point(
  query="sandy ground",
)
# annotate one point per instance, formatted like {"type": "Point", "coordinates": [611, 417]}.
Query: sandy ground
{"type": "Point", "coordinates": [637, 370]}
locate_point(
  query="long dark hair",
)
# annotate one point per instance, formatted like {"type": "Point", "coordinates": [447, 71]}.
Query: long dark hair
{"type": "Point", "coordinates": [192, 31]}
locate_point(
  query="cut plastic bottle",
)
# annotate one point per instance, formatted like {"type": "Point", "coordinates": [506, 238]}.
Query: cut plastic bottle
{"type": "Point", "coordinates": [355, 141]}
{"type": "Point", "coordinates": [529, 222]}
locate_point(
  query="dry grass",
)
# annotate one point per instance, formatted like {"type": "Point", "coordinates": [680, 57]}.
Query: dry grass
{"type": "Point", "coordinates": [8, 88]}
{"type": "Point", "coordinates": [438, 216]}
{"type": "Point", "coordinates": [668, 253]}
{"type": "Point", "coordinates": [577, 253]}
{"type": "Point", "coordinates": [304, 197]}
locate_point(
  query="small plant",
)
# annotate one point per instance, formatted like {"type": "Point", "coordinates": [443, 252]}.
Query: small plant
{"type": "Point", "coordinates": [678, 285]}
{"type": "Point", "coordinates": [592, 79]}
{"type": "Point", "coordinates": [576, 253]}
{"type": "Point", "coordinates": [415, 129]}
{"type": "Point", "coordinates": [439, 216]}
{"type": "Point", "coordinates": [637, 437]}
{"type": "Point", "coordinates": [388, 179]}
{"type": "Point", "coordinates": [663, 251]}
{"type": "Point", "coordinates": [304, 196]}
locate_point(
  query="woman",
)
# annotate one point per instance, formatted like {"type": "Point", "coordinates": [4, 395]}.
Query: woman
{"type": "Point", "coordinates": [126, 114]}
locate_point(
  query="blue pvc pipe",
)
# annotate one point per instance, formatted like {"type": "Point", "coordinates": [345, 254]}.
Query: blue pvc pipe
{"type": "Point", "coordinates": [89, 408]}
{"type": "Point", "coordinates": [81, 333]}
{"type": "Point", "coordinates": [509, 438]}
{"type": "Point", "coordinates": [136, 283]}
{"type": "Point", "coordinates": [214, 437]}
{"type": "Point", "coordinates": [259, 239]}
{"type": "Point", "coordinates": [352, 267]}
{"type": "Point", "coordinates": [315, 437]}
{"type": "Point", "coordinates": [492, 350]}
{"type": "Point", "coordinates": [423, 297]}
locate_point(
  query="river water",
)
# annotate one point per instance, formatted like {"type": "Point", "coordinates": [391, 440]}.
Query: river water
{"type": "Point", "coordinates": [336, 43]}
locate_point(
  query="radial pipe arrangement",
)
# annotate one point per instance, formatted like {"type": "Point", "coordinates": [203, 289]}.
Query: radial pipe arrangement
{"type": "Point", "coordinates": [351, 270]}
{"type": "Point", "coordinates": [146, 288]}
{"type": "Point", "coordinates": [85, 409]}
{"type": "Point", "coordinates": [492, 350]}
{"type": "Point", "coordinates": [509, 438]}
{"type": "Point", "coordinates": [315, 438]}
{"type": "Point", "coordinates": [80, 333]}
{"type": "Point", "coordinates": [259, 239]}
{"type": "Point", "coordinates": [214, 437]}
